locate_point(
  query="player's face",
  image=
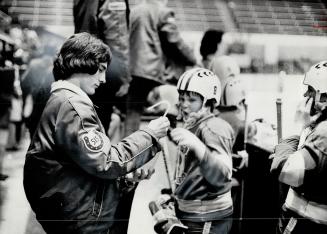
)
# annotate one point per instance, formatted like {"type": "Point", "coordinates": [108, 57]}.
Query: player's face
{"type": "Point", "coordinates": [316, 106]}
{"type": "Point", "coordinates": [189, 102]}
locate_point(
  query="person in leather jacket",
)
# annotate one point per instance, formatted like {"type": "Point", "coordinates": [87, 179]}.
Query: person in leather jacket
{"type": "Point", "coordinates": [72, 172]}
{"type": "Point", "coordinates": [155, 42]}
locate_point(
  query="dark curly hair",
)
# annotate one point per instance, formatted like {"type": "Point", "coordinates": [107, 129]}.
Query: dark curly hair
{"type": "Point", "coordinates": [81, 53]}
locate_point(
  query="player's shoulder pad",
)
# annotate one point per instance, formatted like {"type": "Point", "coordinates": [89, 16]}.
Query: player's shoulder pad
{"type": "Point", "coordinates": [220, 127]}
{"type": "Point", "coordinates": [319, 137]}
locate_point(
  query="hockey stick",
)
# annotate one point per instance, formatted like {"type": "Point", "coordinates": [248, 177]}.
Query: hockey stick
{"type": "Point", "coordinates": [279, 103]}
{"type": "Point", "coordinates": [163, 142]}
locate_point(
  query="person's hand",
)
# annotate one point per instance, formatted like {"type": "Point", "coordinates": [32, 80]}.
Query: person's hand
{"type": "Point", "coordinates": [302, 116]}
{"type": "Point", "coordinates": [139, 174]}
{"type": "Point", "coordinates": [244, 159]}
{"type": "Point", "coordinates": [159, 126]}
{"type": "Point", "coordinates": [183, 137]}
{"type": "Point", "coordinates": [123, 90]}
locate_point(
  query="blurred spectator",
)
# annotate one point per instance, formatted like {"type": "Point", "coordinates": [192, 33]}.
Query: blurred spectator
{"type": "Point", "coordinates": [209, 45]}
{"type": "Point", "coordinates": [26, 40]}
{"type": "Point", "coordinates": [15, 115]}
{"type": "Point", "coordinates": [154, 40]}
{"type": "Point", "coordinates": [7, 75]}
{"type": "Point", "coordinates": [6, 92]}
{"type": "Point", "coordinates": [108, 20]}
{"type": "Point", "coordinates": [36, 82]}
{"type": "Point", "coordinates": [37, 79]}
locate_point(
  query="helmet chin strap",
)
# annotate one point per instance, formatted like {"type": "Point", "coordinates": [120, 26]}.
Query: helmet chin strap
{"type": "Point", "coordinates": [195, 116]}
{"type": "Point", "coordinates": [323, 105]}
{"type": "Point", "coordinates": [203, 103]}
{"type": "Point", "coordinates": [318, 96]}
{"type": "Point", "coordinates": [203, 109]}
{"type": "Point", "coordinates": [318, 105]}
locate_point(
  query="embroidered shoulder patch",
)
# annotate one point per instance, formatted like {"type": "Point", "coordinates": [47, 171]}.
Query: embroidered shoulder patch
{"type": "Point", "coordinates": [93, 141]}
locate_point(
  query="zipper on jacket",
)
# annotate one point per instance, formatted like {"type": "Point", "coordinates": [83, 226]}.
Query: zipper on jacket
{"type": "Point", "coordinates": [98, 201]}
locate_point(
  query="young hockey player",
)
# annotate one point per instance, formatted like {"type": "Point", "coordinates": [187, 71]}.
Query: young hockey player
{"type": "Point", "coordinates": [204, 171]}
{"type": "Point", "coordinates": [301, 161]}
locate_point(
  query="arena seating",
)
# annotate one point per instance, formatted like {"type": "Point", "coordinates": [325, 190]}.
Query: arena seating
{"type": "Point", "coordinates": [302, 17]}
{"type": "Point", "coordinates": [280, 17]}
{"type": "Point", "coordinates": [41, 13]}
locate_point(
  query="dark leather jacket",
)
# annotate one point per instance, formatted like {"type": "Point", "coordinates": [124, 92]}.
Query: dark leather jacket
{"type": "Point", "coordinates": [72, 171]}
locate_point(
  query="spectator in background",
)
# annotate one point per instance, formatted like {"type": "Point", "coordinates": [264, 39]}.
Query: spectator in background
{"type": "Point", "coordinates": [36, 82]}
{"type": "Point", "coordinates": [7, 74]}
{"type": "Point", "coordinates": [154, 41]}
{"type": "Point", "coordinates": [209, 45]}
{"type": "Point", "coordinates": [15, 115]}
{"type": "Point", "coordinates": [72, 172]}
{"type": "Point", "coordinates": [26, 40]}
{"type": "Point", "coordinates": [108, 20]}
{"type": "Point", "coordinates": [6, 93]}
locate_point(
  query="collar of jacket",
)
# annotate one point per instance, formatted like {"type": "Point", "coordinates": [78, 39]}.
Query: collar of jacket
{"type": "Point", "coordinates": [63, 84]}
{"type": "Point", "coordinates": [199, 121]}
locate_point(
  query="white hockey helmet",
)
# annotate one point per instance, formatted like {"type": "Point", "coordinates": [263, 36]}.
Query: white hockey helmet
{"type": "Point", "coordinates": [224, 67]}
{"type": "Point", "coordinates": [317, 77]}
{"type": "Point", "coordinates": [234, 93]}
{"type": "Point", "coordinates": [201, 81]}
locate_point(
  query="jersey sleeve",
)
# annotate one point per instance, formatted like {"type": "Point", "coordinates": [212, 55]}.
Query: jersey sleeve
{"type": "Point", "coordinates": [281, 153]}
{"type": "Point", "coordinates": [316, 142]}
{"type": "Point", "coordinates": [216, 165]}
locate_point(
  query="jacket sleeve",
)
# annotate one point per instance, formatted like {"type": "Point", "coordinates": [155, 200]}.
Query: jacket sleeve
{"type": "Point", "coordinates": [290, 163]}
{"type": "Point", "coordinates": [172, 43]}
{"type": "Point", "coordinates": [113, 30]}
{"type": "Point", "coordinates": [316, 145]}
{"type": "Point", "coordinates": [216, 165]}
{"type": "Point", "coordinates": [282, 152]}
{"type": "Point", "coordinates": [80, 136]}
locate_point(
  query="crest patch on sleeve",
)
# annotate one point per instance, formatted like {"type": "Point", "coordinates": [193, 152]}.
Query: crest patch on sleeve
{"type": "Point", "coordinates": [93, 141]}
